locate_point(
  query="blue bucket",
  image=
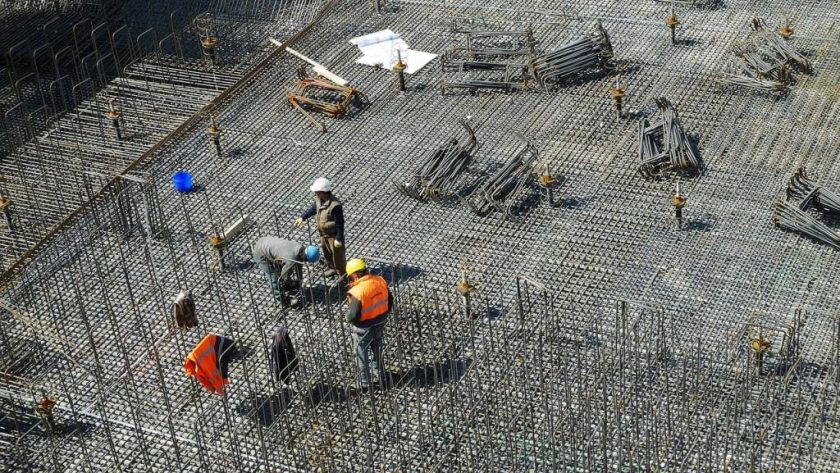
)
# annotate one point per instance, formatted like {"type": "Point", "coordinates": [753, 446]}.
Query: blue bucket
{"type": "Point", "coordinates": [182, 181]}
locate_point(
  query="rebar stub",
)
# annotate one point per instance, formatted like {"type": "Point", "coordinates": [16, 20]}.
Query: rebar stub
{"type": "Point", "coordinates": [464, 286]}
{"type": "Point", "coordinates": [46, 404]}
{"type": "Point", "coordinates": [785, 31]}
{"type": "Point", "coordinates": [759, 345]}
{"type": "Point", "coordinates": [547, 180]}
{"type": "Point", "coordinates": [217, 241]}
{"type": "Point", "coordinates": [209, 42]}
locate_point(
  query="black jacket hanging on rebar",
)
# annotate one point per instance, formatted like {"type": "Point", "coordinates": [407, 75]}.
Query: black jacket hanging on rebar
{"type": "Point", "coordinates": [283, 360]}
{"type": "Point", "coordinates": [225, 348]}
{"type": "Point", "coordinates": [184, 308]}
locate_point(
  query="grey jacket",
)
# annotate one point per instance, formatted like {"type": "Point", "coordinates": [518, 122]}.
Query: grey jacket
{"type": "Point", "coordinates": [283, 253]}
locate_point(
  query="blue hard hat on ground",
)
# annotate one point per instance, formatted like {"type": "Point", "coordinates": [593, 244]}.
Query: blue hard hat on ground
{"type": "Point", "coordinates": [312, 253]}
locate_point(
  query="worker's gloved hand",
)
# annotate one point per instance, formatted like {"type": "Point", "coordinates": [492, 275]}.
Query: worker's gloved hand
{"type": "Point", "coordinates": [298, 222]}
{"type": "Point", "coordinates": [339, 244]}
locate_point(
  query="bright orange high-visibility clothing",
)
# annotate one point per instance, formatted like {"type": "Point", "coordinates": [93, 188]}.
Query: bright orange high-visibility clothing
{"type": "Point", "coordinates": [372, 292]}
{"type": "Point", "coordinates": [203, 364]}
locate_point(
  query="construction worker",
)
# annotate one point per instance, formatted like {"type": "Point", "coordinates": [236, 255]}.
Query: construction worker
{"type": "Point", "coordinates": [329, 220]}
{"type": "Point", "coordinates": [280, 259]}
{"type": "Point", "coordinates": [369, 304]}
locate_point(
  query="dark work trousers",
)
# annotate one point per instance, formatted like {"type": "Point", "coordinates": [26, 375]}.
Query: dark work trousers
{"type": "Point", "coordinates": [332, 255]}
{"type": "Point", "coordinates": [279, 287]}
{"type": "Point", "coordinates": [365, 342]}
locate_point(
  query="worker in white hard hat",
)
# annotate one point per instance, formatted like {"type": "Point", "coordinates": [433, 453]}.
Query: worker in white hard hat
{"type": "Point", "coordinates": [329, 220]}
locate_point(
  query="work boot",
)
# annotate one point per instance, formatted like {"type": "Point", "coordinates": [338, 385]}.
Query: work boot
{"type": "Point", "coordinates": [293, 303]}
{"type": "Point", "coordinates": [330, 273]}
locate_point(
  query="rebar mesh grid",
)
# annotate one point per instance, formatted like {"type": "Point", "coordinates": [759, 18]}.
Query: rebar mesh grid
{"type": "Point", "coordinates": [559, 370]}
{"type": "Point", "coordinates": [144, 65]}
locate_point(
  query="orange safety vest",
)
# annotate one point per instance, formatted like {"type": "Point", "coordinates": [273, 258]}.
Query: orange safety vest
{"type": "Point", "coordinates": [202, 363]}
{"type": "Point", "coordinates": [372, 292]}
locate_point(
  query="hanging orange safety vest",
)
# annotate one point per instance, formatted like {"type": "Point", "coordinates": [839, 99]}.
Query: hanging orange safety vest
{"type": "Point", "coordinates": [202, 363]}
{"type": "Point", "coordinates": [372, 292]}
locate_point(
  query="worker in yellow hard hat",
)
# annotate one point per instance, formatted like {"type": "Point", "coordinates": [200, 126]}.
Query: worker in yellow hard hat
{"type": "Point", "coordinates": [369, 303]}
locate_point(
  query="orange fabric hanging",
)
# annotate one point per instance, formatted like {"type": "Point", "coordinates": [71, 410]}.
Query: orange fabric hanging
{"type": "Point", "coordinates": [202, 363]}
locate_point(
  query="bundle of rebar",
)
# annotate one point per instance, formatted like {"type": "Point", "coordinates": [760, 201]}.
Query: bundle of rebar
{"type": "Point", "coordinates": [440, 171]}
{"type": "Point", "coordinates": [318, 95]}
{"type": "Point", "coordinates": [803, 194]}
{"type": "Point", "coordinates": [664, 145]}
{"type": "Point", "coordinates": [755, 82]}
{"type": "Point", "coordinates": [491, 43]}
{"type": "Point", "coordinates": [775, 44]}
{"type": "Point", "coordinates": [591, 50]}
{"type": "Point", "coordinates": [489, 50]}
{"type": "Point", "coordinates": [708, 4]}
{"type": "Point", "coordinates": [500, 191]}
{"type": "Point", "coordinates": [763, 61]}
{"type": "Point", "coordinates": [473, 85]}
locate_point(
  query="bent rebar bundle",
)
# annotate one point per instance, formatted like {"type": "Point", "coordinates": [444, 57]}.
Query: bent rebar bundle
{"type": "Point", "coordinates": [489, 50]}
{"type": "Point", "coordinates": [664, 145]}
{"type": "Point", "coordinates": [493, 50]}
{"type": "Point", "coordinates": [803, 194]}
{"type": "Point", "coordinates": [501, 190]}
{"type": "Point", "coordinates": [593, 49]}
{"type": "Point", "coordinates": [763, 61]}
{"type": "Point", "coordinates": [706, 4]}
{"type": "Point", "coordinates": [323, 96]}
{"type": "Point", "coordinates": [440, 171]}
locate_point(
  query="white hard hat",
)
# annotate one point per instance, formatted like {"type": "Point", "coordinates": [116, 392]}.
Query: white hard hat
{"type": "Point", "coordinates": [321, 185]}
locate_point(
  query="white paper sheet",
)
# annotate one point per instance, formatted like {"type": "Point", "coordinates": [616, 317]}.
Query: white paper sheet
{"type": "Point", "coordinates": [382, 36]}
{"type": "Point", "coordinates": [380, 49]}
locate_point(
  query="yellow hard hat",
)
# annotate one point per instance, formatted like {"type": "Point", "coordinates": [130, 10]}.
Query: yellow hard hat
{"type": "Point", "coordinates": [355, 265]}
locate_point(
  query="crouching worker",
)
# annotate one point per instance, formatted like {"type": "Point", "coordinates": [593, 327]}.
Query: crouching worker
{"type": "Point", "coordinates": [282, 262]}
{"type": "Point", "coordinates": [369, 304]}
